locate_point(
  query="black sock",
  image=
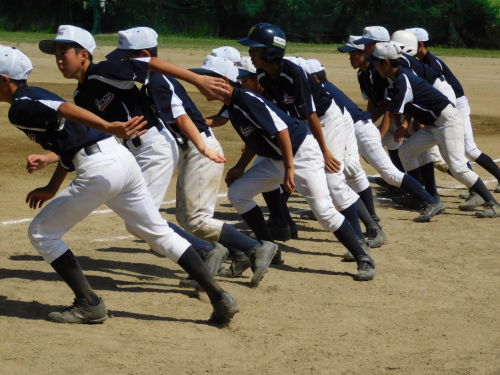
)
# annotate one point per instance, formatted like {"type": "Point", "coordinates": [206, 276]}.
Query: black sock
{"type": "Point", "coordinates": [286, 210]}
{"type": "Point", "coordinates": [191, 262]}
{"type": "Point", "coordinates": [198, 243]}
{"type": "Point", "coordinates": [345, 234]}
{"type": "Point", "coordinates": [427, 172]}
{"type": "Point", "coordinates": [487, 163]}
{"type": "Point", "coordinates": [417, 175]}
{"type": "Point", "coordinates": [367, 198]}
{"type": "Point", "coordinates": [351, 214]}
{"type": "Point", "coordinates": [285, 193]}
{"type": "Point", "coordinates": [412, 187]}
{"type": "Point", "coordinates": [231, 237]}
{"type": "Point", "coordinates": [273, 201]}
{"type": "Point", "coordinates": [480, 188]}
{"type": "Point", "coordinates": [364, 215]}
{"type": "Point", "coordinates": [68, 267]}
{"type": "Point", "coordinates": [393, 154]}
{"type": "Point", "coordinates": [255, 220]}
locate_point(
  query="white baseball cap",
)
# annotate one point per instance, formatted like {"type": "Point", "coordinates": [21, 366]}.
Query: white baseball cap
{"type": "Point", "coordinates": [227, 52]}
{"type": "Point", "coordinates": [245, 67]}
{"type": "Point", "coordinates": [350, 46]}
{"type": "Point", "coordinates": [14, 64]}
{"type": "Point", "coordinates": [385, 50]}
{"type": "Point", "coordinates": [218, 65]}
{"type": "Point", "coordinates": [297, 60]}
{"type": "Point", "coordinates": [315, 66]}
{"type": "Point", "coordinates": [135, 39]}
{"type": "Point", "coordinates": [374, 34]}
{"type": "Point", "coordinates": [421, 34]}
{"type": "Point", "coordinates": [69, 34]}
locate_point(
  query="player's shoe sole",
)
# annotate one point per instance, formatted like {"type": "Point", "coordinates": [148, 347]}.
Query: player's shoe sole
{"type": "Point", "coordinates": [80, 312]}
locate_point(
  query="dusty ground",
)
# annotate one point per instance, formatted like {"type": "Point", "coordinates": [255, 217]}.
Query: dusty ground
{"type": "Point", "coordinates": [433, 308]}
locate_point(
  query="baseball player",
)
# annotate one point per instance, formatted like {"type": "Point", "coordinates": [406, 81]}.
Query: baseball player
{"type": "Point", "coordinates": [106, 173]}
{"type": "Point", "coordinates": [471, 150]}
{"type": "Point", "coordinates": [304, 99]}
{"type": "Point", "coordinates": [368, 137]}
{"type": "Point", "coordinates": [199, 177]}
{"type": "Point", "coordinates": [289, 154]}
{"type": "Point", "coordinates": [415, 97]}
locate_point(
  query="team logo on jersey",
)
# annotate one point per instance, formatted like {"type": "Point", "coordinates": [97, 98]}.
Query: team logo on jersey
{"type": "Point", "coordinates": [288, 99]}
{"type": "Point", "coordinates": [279, 42]}
{"type": "Point", "coordinates": [246, 131]}
{"type": "Point", "coordinates": [103, 103]}
{"type": "Point", "coordinates": [32, 137]}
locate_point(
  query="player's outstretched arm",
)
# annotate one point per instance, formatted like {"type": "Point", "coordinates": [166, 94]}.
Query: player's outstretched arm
{"type": "Point", "coordinates": [127, 130]}
{"type": "Point", "coordinates": [35, 162]}
{"type": "Point", "coordinates": [386, 123]}
{"type": "Point", "coordinates": [235, 172]}
{"type": "Point", "coordinates": [189, 129]}
{"type": "Point", "coordinates": [36, 198]}
{"type": "Point", "coordinates": [216, 121]}
{"type": "Point", "coordinates": [331, 163]}
{"type": "Point", "coordinates": [210, 87]}
{"type": "Point", "coordinates": [283, 138]}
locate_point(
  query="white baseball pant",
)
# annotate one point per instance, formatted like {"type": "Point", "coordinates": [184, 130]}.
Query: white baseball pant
{"type": "Point", "coordinates": [110, 177]}
{"type": "Point", "coordinates": [310, 182]}
{"type": "Point", "coordinates": [198, 185]}
{"type": "Point", "coordinates": [448, 133]}
{"type": "Point", "coordinates": [471, 150]}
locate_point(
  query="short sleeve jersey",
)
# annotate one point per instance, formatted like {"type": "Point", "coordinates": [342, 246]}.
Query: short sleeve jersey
{"type": "Point", "coordinates": [34, 111]}
{"type": "Point", "coordinates": [109, 91]}
{"type": "Point", "coordinates": [257, 121]}
{"type": "Point", "coordinates": [295, 91]}
{"type": "Point", "coordinates": [169, 100]}
{"type": "Point", "coordinates": [439, 66]}
{"type": "Point", "coordinates": [419, 68]}
{"type": "Point", "coordinates": [345, 103]}
{"type": "Point", "coordinates": [372, 84]}
{"type": "Point", "coordinates": [409, 94]}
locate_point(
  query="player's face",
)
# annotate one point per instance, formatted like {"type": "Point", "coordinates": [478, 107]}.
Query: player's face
{"type": "Point", "coordinates": [369, 47]}
{"type": "Point", "coordinates": [357, 58]}
{"type": "Point", "coordinates": [383, 68]}
{"type": "Point", "coordinates": [67, 60]}
{"type": "Point", "coordinates": [255, 55]}
{"type": "Point", "coordinates": [251, 83]}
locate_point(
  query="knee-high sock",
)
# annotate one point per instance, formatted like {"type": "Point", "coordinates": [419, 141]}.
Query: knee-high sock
{"type": "Point", "coordinates": [480, 188]}
{"type": "Point", "coordinates": [413, 187]}
{"type": "Point", "coordinates": [255, 220]}
{"type": "Point", "coordinates": [191, 262]}
{"type": "Point", "coordinates": [68, 267]}
{"type": "Point", "coordinates": [364, 215]}
{"type": "Point", "coordinates": [345, 234]}
{"type": "Point", "coordinates": [197, 243]}
{"type": "Point", "coordinates": [351, 214]}
{"type": "Point", "coordinates": [367, 198]}
{"type": "Point", "coordinates": [276, 210]}
{"type": "Point", "coordinates": [393, 154]}
{"type": "Point", "coordinates": [233, 238]}
{"type": "Point", "coordinates": [487, 163]}
{"type": "Point", "coordinates": [427, 172]}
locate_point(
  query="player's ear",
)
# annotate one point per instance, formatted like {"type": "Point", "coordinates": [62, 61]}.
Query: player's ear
{"type": "Point", "coordinates": [144, 53]}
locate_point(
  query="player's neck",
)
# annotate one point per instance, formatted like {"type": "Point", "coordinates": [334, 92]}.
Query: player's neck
{"type": "Point", "coordinates": [272, 69]}
{"type": "Point", "coordinates": [80, 74]}
{"type": "Point", "coordinates": [421, 53]}
{"type": "Point", "coordinates": [392, 72]}
{"type": "Point", "coordinates": [364, 66]}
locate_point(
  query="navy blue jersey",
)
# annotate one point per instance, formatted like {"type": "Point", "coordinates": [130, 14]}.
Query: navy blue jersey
{"type": "Point", "coordinates": [439, 66]}
{"type": "Point", "coordinates": [257, 121]}
{"type": "Point", "coordinates": [345, 103]}
{"type": "Point", "coordinates": [169, 100]}
{"type": "Point", "coordinates": [34, 111]}
{"type": "Point", "coordinates": [372, 84]}
{"type": "Point", "coordinates": [295, 91]}
{"type": "Point", "coordinates": [413, 95]}
{"type": "Point", "coordinates": [420, 69]}
{"type": "Point", "coordinates": [109, 91]}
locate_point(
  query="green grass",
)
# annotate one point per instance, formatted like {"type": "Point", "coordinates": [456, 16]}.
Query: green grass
{"type": "Point", "coordinates": [176, 42]}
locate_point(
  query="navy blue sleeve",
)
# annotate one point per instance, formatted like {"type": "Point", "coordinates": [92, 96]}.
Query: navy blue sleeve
{"type": "Point", "coordinates": [124, 70]}
{"type": "Point", "coordinates": [304, 102]}
{"type": "Point", "coordinates": [37, 115]}
{"type": "Point", "coordinates": [165, 98]}
{"type": "Point", "coordinates": [223, 112]}
{"type": "Point", "coordinates": [257, 111]}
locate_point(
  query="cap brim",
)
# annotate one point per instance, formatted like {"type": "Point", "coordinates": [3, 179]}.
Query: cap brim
{"type": "Point", "coordinates": [206, 72]}
{"type": "Point", "coordinates": [244, 73]}
{"type": "Point", "coordinates": [347, 48]}
{"type": "Point", "coordinates": [363, 41]}
{"type": "Point", "coordinates": [251, 43]}
{"type": "Point", "coordinates": [49, 46]}
{"type": "Point", "coordinates": [119, 54]}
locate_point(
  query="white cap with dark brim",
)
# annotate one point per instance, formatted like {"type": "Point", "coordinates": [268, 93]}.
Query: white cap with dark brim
{"type": "Point", "coordinates": [385, 50]}
{"type": "Point", "coordinates": [135, 39]}
{"type": "Point", "coordinates": [218, 66]}
{"type": "Point", "coordinates": [350, 46]}
{"type": "Point", "coordinates": [421, 34]}
{"type": "Point", "coordinates": [14, 64]}
{"type": "Point", "coordinates": [69, 34]}
{"type": "Point", "coordinates": [374, 34]}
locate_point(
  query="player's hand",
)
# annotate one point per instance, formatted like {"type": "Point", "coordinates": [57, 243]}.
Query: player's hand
{"type": "Point", "coordinates": [213, 155]}
{"type": "Point", "coordinates": [212, 88]}
{"type": "Point", "coordinates": [233, 174]}
{"type": "Point", "coordinates": [126, 129]}
{"type": "Point", "coordinates": [38, 197]}
{"type": "Point", "coordinates": [400, 133]}
{"type": "Point", "coordinates": [288, 182]}
{"type": "Point", "coordinates": [332, 165]}
{"type": "Point", "coordinates": [35, 162]}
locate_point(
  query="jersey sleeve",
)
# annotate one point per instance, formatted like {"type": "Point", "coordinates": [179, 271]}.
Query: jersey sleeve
{"type": "Point", "coordinates": [132, 70]}
{"type": "Point", "coordinates": [165, 97]}
{"type": "Point", "coordinates": [399, 94]}
{"type": "Point", "coordinates": [223, 112]}
{"type": "Point", "coordinates": [37, 115]}
{"type": "Point", "coordinates": [261, 114]}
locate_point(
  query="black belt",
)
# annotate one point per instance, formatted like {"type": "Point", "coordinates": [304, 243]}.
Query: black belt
{"type": "Point", "coordinates": [184, 146]}
{"type": "Point", "coordinates": [92, 149]}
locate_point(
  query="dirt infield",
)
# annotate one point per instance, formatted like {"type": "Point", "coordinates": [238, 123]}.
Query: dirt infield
{"type": "Point", "coordinates": [432, 309]}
